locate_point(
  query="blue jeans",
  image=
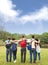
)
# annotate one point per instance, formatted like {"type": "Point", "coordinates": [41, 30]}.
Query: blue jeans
{"type": "Point", "coordinates": [38, 54]}
{"type": "Point", "coordinates": [14, 54]}
{"type": "Point", "coordinates": [8, 52]}
{"type": "Point", "coordinates": [32, 52]}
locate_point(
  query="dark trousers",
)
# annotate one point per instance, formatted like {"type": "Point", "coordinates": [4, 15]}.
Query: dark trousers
{"type": "Point", "coordinates": [23, 55]}
{"type": "Point", "coordinates": [14, 54]}
{"type": "Point", "coordinates": [8, 54]}
{"type": "Point", "coordinates": [32, 52]}
{"type": "Point", "coordinates": [38, 54]}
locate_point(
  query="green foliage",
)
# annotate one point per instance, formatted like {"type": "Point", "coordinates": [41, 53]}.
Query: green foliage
{"type": "Point", "coordinates": [4, 35]}
{"type": "Point", "coordinates": [43, 37]}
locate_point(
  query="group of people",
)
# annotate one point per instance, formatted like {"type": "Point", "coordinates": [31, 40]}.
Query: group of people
{"type": "Point", "coordinates": [33, 45]}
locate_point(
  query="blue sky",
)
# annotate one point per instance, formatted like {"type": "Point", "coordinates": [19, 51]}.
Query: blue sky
{"type": "Point", "coordinates": [24, 16]}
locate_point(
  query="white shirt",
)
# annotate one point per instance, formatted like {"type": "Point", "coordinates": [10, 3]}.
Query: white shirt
{"type": "Point", "coordinates": [33, 43]}
{"type": "Point", "coordinates": [38, 48]}
{"type": "Point", "coordinates": [7, 42]}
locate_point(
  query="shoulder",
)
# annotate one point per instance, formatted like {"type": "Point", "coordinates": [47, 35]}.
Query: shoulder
{"type": "Point", "coordinates": [6, 40]}
{"type": "Point", "coordinates": [32, 39]}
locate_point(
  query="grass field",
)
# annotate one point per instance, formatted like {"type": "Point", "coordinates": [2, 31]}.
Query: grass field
{"type": "Point", "coordinates": [43, 61]}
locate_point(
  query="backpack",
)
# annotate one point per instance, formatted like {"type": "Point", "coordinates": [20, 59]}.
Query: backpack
{"type": "Point", "coordinates": [23, 43]}
{"type": "Point", "coordinates": [8, 46]}
{"type": "Point", "coordinates": [29, 47]}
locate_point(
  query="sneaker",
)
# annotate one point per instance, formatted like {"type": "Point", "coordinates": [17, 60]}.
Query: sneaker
{"type": "Point", "coordinates": [15, 61]}
{"type": "Point", "coordinates": [30, 62]}
{"type": "Point", "coordinates": [34, 62]}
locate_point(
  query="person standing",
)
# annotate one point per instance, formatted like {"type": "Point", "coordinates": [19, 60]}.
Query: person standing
{"type": "Point", "coordinates": [23, 49]}
{"type": "Point", "coordinates": [14, 49]}
{"type": "Point", "coordinates": [8, 50]}
{"type": "Point", "coordinates": [38, 49]}
{"type": "Point", "coordinates": [33, 50]}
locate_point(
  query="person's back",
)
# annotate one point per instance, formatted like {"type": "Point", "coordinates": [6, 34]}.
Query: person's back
{"type": "Point", "coordinates": [14, 49]}
{"type": "Point", "coordinates": [38, 48]}
{"type": "Point", "coordinates": [7, 43]}
{"type": "Point", "coordinates": [14, 46]}
{"type": "Point", "coordinates": [33, 43]}
{"type": "Point", "coordinates": [33, 49]}
{"type": "Point", "coordinates": [8, 49]}
{"type": "Point", "coordinates": [23, 43]}
{"type": "Point", "coordinates": [23, 49]}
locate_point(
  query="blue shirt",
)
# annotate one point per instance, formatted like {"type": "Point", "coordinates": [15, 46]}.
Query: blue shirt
{"type": "Point", "coordinates": [14, 46]}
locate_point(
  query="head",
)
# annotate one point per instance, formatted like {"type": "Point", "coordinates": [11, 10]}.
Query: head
{"type": "Point", "coordinates": [22, 36]}
{"type": "Point", "coordinates": [9, 38]}
{"type": "Point", "coordinates": [13, 38]}
{"type": "Point", "coordinates": [36, 39]}
{"type": "Point", "coordinates": [32, 36]}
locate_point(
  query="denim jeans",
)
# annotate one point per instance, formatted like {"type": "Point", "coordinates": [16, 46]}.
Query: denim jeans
{"type": "Point", "coordinates": [8, 54]}
{"type": "Point", "coordinates": [23, 55]}
{"type": "Point", "coordinates": [32, 52]}
{"type": "Point", "coordinates": [14, 54]}
{"type": "Point", "coordinates": [38, 54]}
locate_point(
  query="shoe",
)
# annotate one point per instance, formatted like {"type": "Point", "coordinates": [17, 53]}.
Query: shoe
{"type": "Point", "coordinates": [30, 62]}
{"type": "Point", "coordinates": [34, 62]}
{"type": "Point", "coordinates": [15, 61]}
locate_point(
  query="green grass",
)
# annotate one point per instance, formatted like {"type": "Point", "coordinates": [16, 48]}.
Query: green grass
{"type": "Point", "coordinates": [1, 42]}
{"type": "Point", "coordinates": [43, 61]}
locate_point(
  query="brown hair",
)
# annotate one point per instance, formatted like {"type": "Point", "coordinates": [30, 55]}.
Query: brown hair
{"type": "Point", "coordinates": [32, 36]}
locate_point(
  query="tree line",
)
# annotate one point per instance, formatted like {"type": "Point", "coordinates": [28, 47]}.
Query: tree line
{"type": "Point", "coordinates": [43, 37]}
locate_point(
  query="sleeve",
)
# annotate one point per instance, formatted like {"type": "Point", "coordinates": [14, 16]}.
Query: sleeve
{"type": "Point", "coordinates": [38, 41]}
{"type": "Point", "coordinates": [16, 42]}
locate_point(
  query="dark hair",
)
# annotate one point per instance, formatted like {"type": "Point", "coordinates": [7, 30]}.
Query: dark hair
{"type": "Point", "coordinates": [22, 36]}
{"type": "Point", "coordinates": [32, 36]}
{"type": "Point", "coordinates": [36, 39]}
{"type": "Point", "coordinates": [13, 38]}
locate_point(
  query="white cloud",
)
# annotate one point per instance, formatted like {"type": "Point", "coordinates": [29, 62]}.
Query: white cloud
{"type": "Point", "coordinates": [6, 10]}
{"type": "Point", "coordinates": [37, 16]}
{"type": "Point", "coordinates": [7, 13]}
